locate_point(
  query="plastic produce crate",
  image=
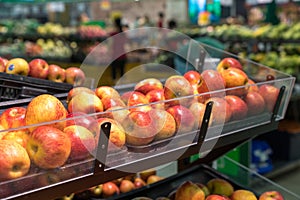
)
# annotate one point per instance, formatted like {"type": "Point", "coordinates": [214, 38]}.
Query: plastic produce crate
{"type": "Point", "coordinates": [202, 138]}
{"type": "Point", "coordinates": [14, 87]}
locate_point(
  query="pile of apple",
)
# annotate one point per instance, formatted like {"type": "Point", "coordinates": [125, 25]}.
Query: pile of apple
{"type": "Point", "coordinates": [218, 189]}
{"type": "Point", "coordinates": [39, 68]}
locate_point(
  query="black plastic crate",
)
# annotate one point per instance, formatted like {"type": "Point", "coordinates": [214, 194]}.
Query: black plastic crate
{"type": "Point", "coordinates": [13, 87]}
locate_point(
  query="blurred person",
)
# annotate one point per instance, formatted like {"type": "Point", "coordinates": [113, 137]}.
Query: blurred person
{"type": "Point", "coordinates": [118, 49]}
{"type": "Point", "coordinates": [161, 18]}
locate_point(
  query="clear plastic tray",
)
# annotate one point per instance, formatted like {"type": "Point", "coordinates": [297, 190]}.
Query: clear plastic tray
{"type": "Point", "coordinates": [134, 158]}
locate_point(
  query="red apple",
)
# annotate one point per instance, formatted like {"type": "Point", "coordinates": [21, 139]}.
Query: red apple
{"type": "Point", "coordinates": [48, 178]}
{"type": "Point", "coordinates": [39, 68]}
{"type": "Point", "coordinates": [138, 102]}
{"type": "Point", "coordinates": [46, 108]}
{"type": "Point", "coordinates": [109, 189]}
{"type": "Point", "coordinates": [77, 90]}
{"type": "Point", "coordinates": [184, 118]}
{"type": "Point", "coordinates": [250, 86]}
{"type": "Point", "coordinates": [117, 137]}
{"type": "Point", "coordinates": [255, 103]}
{"type": "Point", "coordinates": [86, 103]}
{"type": "Point", "coordinates": [210, 80]}
{"type": "Point", "coordinates": [109, 102]}
{"type": "Point", "coordinates": [82, 119]}
{"type": "Point", "coordinates": [239, 108]}
{"type": "Point", "coordinates": [139, 127]}
{"type": "Point", "coordinates": [48, 147]}
{"type": "Point", "coordinates": [125, 96]}
{"type": "Point", "coordinates": [221, 111]}
{"type": "Point", "coordinates": [198, 110]}
{"type": "Point", "coordinates": [228, 62]}
{"type": "Point", "coordinates": [216, 197]}
{"type": "Point", "coordinates": [193, 77]}
{"type": "Point", "coordinates": [234, 77]}
{"type": "Point", "coordinates": [271, 195]}
{"type": "Point", "coordinates": [17, 66]}
{"type": "Point", "coordinates": [2, 131]}
{"type": "Point", "coordinates": [14, 160]}
{"type": "Point", "coordinates": [19, 136]}
{"type": "Point", "coordinates": [148, 84]}
{"type": "Point", "coordinates": [75, 76]}
{"type": "Point", "coordinates": [177, 86]}
{"type": "Point", "coordinates": [13, 117]}
{"type": "Point", "coordinates": [117, 113]}
{"type": "Point", "coordinates": [165, 123]}
{"type": "Point", "coordinates": [107, 91]}
{"type": "Point", "coordinates": [270, 95]}
{"type": "Point", "coordinates": [83, 142]}
{"type": "Point", "coordinates": [3, 62]}
{"type": "Point", "coordinates": [156, 96]}
{"type": "Point", "coordinates": [56, 73]}
{"type": "Point", "coordinates": [126, 186]}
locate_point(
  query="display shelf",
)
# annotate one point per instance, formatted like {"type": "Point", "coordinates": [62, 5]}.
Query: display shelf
{"type": "Point", "coordinates": [210, 138]}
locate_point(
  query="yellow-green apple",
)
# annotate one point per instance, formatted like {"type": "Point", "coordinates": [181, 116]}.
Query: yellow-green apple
{"type": "Point", "coordinates": [78, 90]}
{"type": "Point", "coordinates": [153, 179]}
{"type": "Point", "coordinates": [138, 182]}
{"type": "Point", "coordinates": [234, 77]}
{"type": "Point", "coordinates": [220, 186]}
{"type": "Point", "coordinates": [148, 84]}
{"type": "Point", "coordinates": [270, 95]}
{"type": "Point", "coordinates": [255, 103]}
{"type": "Point", "coordinates": [83, 142]}
{"type": "Point", "coordinates": [3, 62]}
{"type": "Point", "coordinates": [45, 108]}
{"type": "Point", "coordinates": [239, 108]}
{"type": "Point", "coordinates": [184, 118]}
{"type": "Point", "coordinates": [96, 191]}
{"type": "Point", "coordinates": [251, 86]}
{"type": "Point", "coordinates": [216, 197]}
{"type": "Point", "coordinates": [243, 194]}
{"type": "Point", "coordinates": [126, 186]}
{"type": "Point", "coordinates": [86, 103]}
{"type": "Point", "coordinates": [117, 113]}
{"type": "Point", "coordinates": [271, 195]}
{"type": "Point", "coordinates": [13, 117]}
{"type": "Point", "coordinates": [117, 137]}
{"type": "Point", "coordinates": [39, 68]}
{"type": "Point", "coordinates": [56, 73]}
{"type": "Point", "coordinates": [156, 96]}
{"type": "Point", "coordinates": [75, 76]}
{"type": "Point", "coordinates": [82, 119]}
{"type": "Point", "coordinates": [189, 190]}
{"type": "Point", "coordinates": [106, 91]}
{"type": "Point", "coordinates": [109, 189]}
{"type": "Point", "coordinates": [17, 66]}
{"type": "Point", "coordinates": [109, 102]}
{"type": "Point", "coordinates": [228, 62]}
{"type": "Point", "coordinates": [14, 162]}
{"type": "Point", "coordinates": [139, 127]}
{"type": "Point", "coordinates": [204, 188]}
{"type": "Point", "coordinates": [210, 80]}
{"type": "Point", "coordinates": [165, 122]}
{"type": "Point", "coordinates": [221, 111]}
{"type": "Point", "coordinates": [48, 147]}
{"type": "Point", "coordinates": [178, 87]}
{"type": "Point", "coordinates": [19, 136]}
{"type": "Point", "coordinates": [198, 110]}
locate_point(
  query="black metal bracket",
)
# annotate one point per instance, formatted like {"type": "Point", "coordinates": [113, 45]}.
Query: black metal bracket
{"type": "Point", "coordinates": [205, 123]}
{"type": "Point", "coordinates": [277, 103]}
{"type": "Point", "coordinates": [102, 147]}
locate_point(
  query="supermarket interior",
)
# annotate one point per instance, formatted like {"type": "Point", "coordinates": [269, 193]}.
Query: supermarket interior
{"type": "Point", "coordinates": [150, 99]}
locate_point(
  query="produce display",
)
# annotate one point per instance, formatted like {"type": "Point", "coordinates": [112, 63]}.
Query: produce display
{"type": "Point", "coordinates": [40, 68]}
{"type": "Point", "coordinates": [49, 134]}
